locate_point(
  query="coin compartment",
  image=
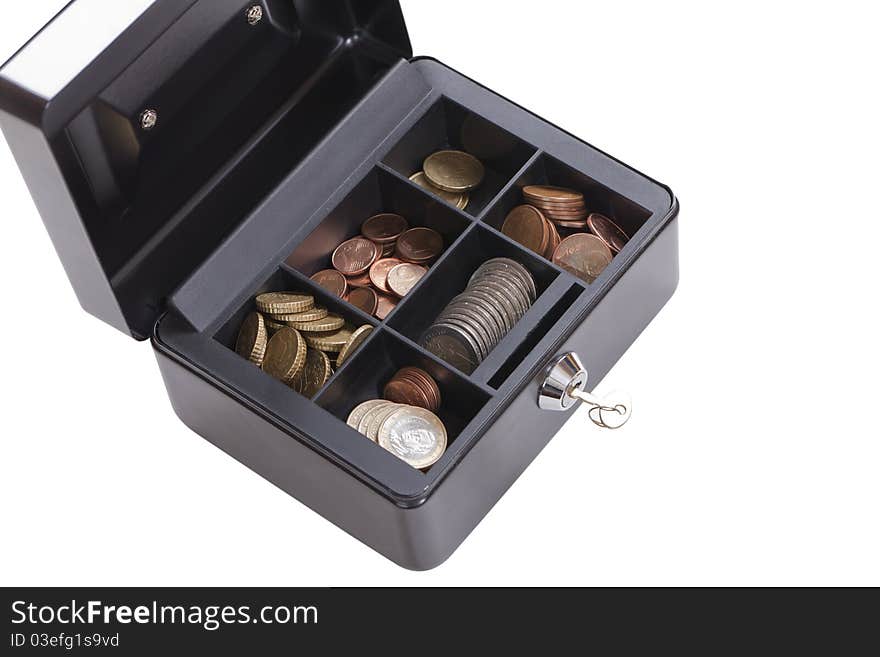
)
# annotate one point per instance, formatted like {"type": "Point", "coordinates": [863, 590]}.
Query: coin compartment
{"type": "Point", "coordinates": [289, 280]}
{"type": "Point", "coordinates": [449, 125]}
{"type": "Point", "coordinates": [380, 191]}
{"type": "Point", "coordinates": [450, 277]}
{"type": "Point", "coordinates": [547, 170]}
{"type": "Point", "coordinates": [364, 376]}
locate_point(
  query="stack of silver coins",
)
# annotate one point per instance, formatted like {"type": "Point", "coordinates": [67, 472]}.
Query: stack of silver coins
{"type": "Point", "coordinates": [499, 294]}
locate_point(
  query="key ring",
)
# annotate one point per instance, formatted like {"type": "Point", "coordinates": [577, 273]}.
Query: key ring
{"type": "Point", "coordinates": [563, 388]}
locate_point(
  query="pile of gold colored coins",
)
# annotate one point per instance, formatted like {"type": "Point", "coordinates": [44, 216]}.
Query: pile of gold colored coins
{"type": "Point", "coordinates": [296, 342]}
{"type": "Point", "coordinates": [451, 175]}
{"type": "Point", "coordinates": [499, 294]}
{"type": "Point", "coordinates": [405, 422]}
{"type": "Point", "coordinates": [381, 266]}
{"type": "Point", "coordinates": [592, 239]}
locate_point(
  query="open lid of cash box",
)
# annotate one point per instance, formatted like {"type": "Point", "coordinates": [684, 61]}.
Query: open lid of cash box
{"type": "Point", "coordinates": [147, 130]}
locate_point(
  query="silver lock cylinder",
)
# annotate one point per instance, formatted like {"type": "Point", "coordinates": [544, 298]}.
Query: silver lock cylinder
{"type": "Point", "coordinates": [565, 374]}
{"type": "Point", "coordinates": [563, 388]}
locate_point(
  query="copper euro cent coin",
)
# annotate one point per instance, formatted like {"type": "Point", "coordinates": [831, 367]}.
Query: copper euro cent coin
{"type": "Point", "coordinates": [384, 228]}
{"type": "Point", "coordinates": [607, 231]}
{"type": "Point", "coordinates": [332, 281]}
{"type": "Point", "coordinates": [356, 256]}
{"type": "Point", "coordinates": [583, 255]}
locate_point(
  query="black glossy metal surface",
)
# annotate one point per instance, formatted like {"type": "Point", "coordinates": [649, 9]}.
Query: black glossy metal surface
{"type": "Point", "coordinates": [274, 142]}
{"type": "Point", "coordinates": [133, 211]}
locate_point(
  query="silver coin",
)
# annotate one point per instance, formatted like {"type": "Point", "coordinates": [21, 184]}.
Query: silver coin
{"type": "Point", "coordinates": [513, 267]}
{"type": "Point", "coordinates": [489, 304]}
{"type": "Point", "coordinates": [358, 413]}
{"type": "Point", "coordinates": [377, 418]}
{"type": "Point", "coordinates": [518, 270]}
{"type": "Point", "coordinates": [466, 324]}
{"type": "Point", "coordinates": [364, 424]}
{"type": "Point", "coordinates": [453, 345]}
{"type": "Point", "coordinates": [502, 302]}
{"type": "Point", "coordinates": [515, 291]}
{"type": "Point", "coordinates": [477, 320]}
{"type": "Point", "coordinates": [493, 317]}
{"type": "Point", "coordinates": [414, 435]}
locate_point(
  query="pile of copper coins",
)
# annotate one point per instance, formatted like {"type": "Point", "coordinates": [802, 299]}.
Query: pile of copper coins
{"type": "Point", "coordinates": [405, 421]}
{"type": "Point", "coordinates": [296, 342]}
{"type": "Point", "coordinates": [498, 295]}
{"type": "Point", "coordinates": [381, 266]}
{"type": "Point", "coordinates": [592, 239]}
{"type": "Point", "coordinates": [451, 175]}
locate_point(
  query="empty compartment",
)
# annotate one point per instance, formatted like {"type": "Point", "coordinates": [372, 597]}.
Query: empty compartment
{"type": "Point", "coordinates": [629, 216]}
{"type": "Point", "coordinates": [448, 125]}
{"type": "Point", "coordinates": [379, 192]}
{"type": "Point", "coordinates": [285, 281]}
{"type": "Point", "coordinates": [451, 278]}
{"type": "Point", "coordinates": [365, 376]}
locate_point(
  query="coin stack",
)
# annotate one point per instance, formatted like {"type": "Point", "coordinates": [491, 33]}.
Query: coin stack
{"type": "Point", "coordinates": [592, 238]}
{"type": "Point", "coordinates": [296, 342]}
{"type": "Point", "coordinates": [498, 295]}
{"type": "Point", "coordinates": [413, 434]}
{"type": "Point", "coordinates": [451, 175]}
{"type": "Point", "coordinates": [414, 387]}
{"type": "Point", "coordinates": [381, 266]}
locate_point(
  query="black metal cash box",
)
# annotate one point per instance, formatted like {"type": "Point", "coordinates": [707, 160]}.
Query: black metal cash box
{"type": "Point", "coordinates": [187, 155]}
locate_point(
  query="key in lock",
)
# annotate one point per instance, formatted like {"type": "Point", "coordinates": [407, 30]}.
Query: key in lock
{"type": "Point", "coordinates": [563, 388]}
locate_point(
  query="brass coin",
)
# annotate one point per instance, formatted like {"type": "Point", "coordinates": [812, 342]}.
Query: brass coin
{"type": "Point", "coordinates": [252, 339]}
{"type": "Point", "coordinates": [330, 341]}
{"type": "Point", "coordinates": [404, 277]}
{"type": "Point", "coordinates": [285, 355]}
{"type": "Point", "coordinates": [583, 255]}
{"type": "Point", "coordinates": [553, 194]}
{"type": "Point", "coordinates": [354, 343]}
{"type": "Point", "coordinates": [527, 226]}
{"type": "Point", "coordinates": [315, 373]}
{"type": "Point", "coordinates": [384, 228]}
{"type": "Point", "coordinates": [354, 257]}
{"type": "Point", "coordinates": [307, 316]}
{"type": "Point", "coordinates": [419, 245]}
{"type": "Point", "coordinates": [355, 417]}
{"type": "Point", "coordinates": [456, 199]}
{"type": "Point", "coordinates": [454, 171]}
{"type": "Point", "coordinates": [365, 299]}
{"type": "Point", "coordinates": [329, 323]}
{"type": "Point", "coordinates": [284, 303]}
{"type": "Point", "coordinates": [379, 273]}
{"type": "Point", "coordinates": [607, 231]}
{"type": "Point", "coordinates": [387, 304]}
{"type": "Point", "coordinates": [414, 435]}
{"type": "Point", "coordinates": [332, 281]}
{"type": "Point", "coordinates": [273, 327]}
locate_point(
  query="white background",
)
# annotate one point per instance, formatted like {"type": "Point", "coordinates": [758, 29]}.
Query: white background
{"type": "Point", "coordinates": [753, 456]}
